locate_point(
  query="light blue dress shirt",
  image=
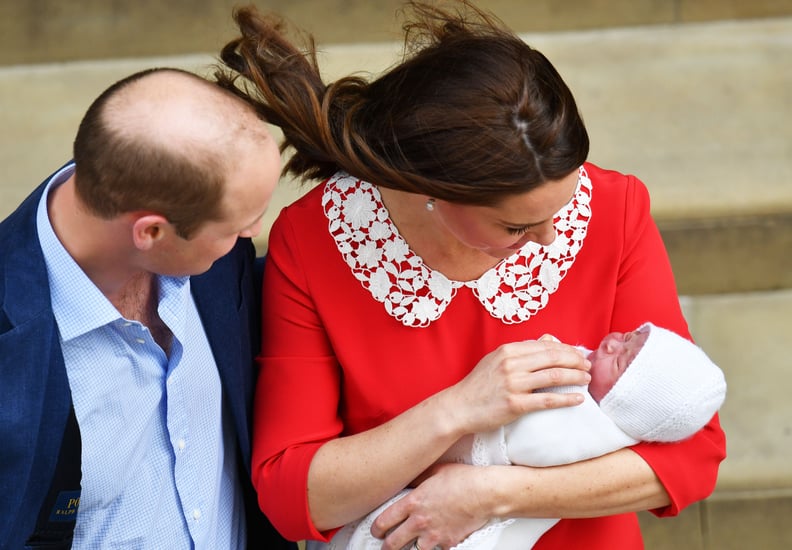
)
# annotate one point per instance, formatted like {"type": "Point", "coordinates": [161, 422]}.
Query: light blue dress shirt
{"type": "Point", "coordinates": [158, 469]}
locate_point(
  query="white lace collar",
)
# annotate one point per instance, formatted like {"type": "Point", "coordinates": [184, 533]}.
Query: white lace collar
{"type": "Point", "coordinates": [512, 291]}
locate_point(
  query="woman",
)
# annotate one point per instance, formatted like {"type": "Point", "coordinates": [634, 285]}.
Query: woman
{"type": "Point", "coordinates": [457, 222]}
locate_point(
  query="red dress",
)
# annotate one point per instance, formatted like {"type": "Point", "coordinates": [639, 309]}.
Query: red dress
{"type": "Point", "coordinates": [356, 330]}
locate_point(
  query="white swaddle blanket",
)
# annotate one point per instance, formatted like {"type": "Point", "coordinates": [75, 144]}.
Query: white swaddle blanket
{"type": "Point", "coordinates": [542, 438]}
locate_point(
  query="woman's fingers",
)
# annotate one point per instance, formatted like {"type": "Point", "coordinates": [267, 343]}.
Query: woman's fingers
{"type": "Point", "coordinates": [536, 364]}
{"type": "Point", "coordinates": [439, 512]}
{"type": "Point", "coordinates": [502, 386]}
{"type": "Point", "coordinates": [390, 516]}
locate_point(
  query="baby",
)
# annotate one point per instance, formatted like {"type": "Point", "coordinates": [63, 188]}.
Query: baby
{"type": "Point", "coordinates": [669, 392]}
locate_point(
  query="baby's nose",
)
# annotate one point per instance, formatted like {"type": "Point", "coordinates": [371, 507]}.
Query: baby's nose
{"type": "Point", "coordinates": [611, 343]}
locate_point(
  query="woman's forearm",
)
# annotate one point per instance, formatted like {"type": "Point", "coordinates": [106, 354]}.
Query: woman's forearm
{"type": "Point", "coordinates": [350, 476]}
{"type": "Point", "coordinates": [616, 483]}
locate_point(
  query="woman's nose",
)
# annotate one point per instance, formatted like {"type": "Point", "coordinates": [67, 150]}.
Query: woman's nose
{"type": "Point", "coordinates": [543, 234]}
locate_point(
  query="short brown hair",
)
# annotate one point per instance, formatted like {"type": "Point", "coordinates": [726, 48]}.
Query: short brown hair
{"type": "Point", "coordinates": [471, 115]}
{"type": "Point", "coordinates": [117, 172]}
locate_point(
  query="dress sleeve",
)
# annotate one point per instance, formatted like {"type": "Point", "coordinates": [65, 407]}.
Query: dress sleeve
{"type": "Point", "coordinates": [297, 392]}
{"type": "Point", "coordinates": [646, 291]}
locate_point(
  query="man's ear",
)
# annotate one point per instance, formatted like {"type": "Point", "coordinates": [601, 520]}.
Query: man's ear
{"type": "Point", "coordinates": [147, 229]}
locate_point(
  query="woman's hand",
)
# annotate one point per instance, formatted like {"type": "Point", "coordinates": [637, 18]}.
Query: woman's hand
{"type": "Point", "coordinates": [453, 500]}
{"type": "Point", "coordinates": [440, 512]}
{"type": "Point", "coordinates": [352, 475]}
{"type": "Point", "coordinates": [502, 386]}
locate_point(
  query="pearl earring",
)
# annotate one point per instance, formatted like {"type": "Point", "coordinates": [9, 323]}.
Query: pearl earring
{"type": "Point", "coordinates": [430, 205]}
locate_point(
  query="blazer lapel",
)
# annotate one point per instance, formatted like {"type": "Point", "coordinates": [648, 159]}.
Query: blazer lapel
{"type": "Point", "coordinates": [224, 304]}
{"type": "Point", "coordinates": [35, 391]}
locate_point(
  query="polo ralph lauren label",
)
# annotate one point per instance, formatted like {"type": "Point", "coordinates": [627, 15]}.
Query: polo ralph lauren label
{"type": "Point", "coordinates": [66, 505]}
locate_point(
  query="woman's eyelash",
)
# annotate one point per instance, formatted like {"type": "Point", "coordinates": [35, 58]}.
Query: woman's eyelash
{"type": "Point", "coordinates": [517, 230]}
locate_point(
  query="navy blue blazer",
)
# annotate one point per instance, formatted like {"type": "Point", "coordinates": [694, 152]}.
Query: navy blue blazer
{"type": "Point", "coordinates": [35, 399]}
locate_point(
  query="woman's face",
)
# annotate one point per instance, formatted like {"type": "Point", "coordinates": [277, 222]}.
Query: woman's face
{"type": "Point", "coordinates": [501, 230]}
{"type": "Point", "coordinates": [609, 361]}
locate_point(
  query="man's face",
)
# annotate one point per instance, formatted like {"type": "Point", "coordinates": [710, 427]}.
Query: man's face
{"type": "Point", "coordinates": [247, 194]}
{"type": "Point", "coordinates": [609, 361]}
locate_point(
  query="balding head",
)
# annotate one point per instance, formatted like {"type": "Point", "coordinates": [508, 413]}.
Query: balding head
{"type": "Point", "coordinates": [162, 140]}
{"type": "Point", "coordinates": [180, 112]}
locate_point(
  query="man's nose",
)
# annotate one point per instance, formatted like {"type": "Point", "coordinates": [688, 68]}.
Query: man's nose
{"type": "Point", "coordinates": [253, 230]}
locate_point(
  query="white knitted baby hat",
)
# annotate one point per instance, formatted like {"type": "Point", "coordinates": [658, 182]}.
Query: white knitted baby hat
{"type": "Point", "coordinates": [669, 392]}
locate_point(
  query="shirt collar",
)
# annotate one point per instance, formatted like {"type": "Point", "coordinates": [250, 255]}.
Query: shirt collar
{"type": "Point", "coordinates": [78, 305]}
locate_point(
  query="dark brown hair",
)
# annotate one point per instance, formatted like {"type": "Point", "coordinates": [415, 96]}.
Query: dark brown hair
{"type": "Point", "coordinates": [470, 115]}
{"type": "Point", "coordinates": [117, 171]}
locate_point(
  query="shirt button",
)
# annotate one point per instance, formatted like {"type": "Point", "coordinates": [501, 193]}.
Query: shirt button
{"type": "Point", "coordinates": [140, 340]}
{"type": "Point", "coordinates": [127, 324]}
{"type": "Point", "coordinates": [181, 444]}
{"type": "Point", "coordinates": [196, 514]}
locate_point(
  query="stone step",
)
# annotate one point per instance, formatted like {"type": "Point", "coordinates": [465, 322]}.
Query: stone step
{"type": "Point", "coordinates": [87, 29]}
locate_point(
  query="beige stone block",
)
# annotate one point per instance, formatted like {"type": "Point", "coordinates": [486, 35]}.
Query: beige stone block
{"type": "Point", "coordinates": [748, 335]}
{"type": "Point", "coordinates": [552, 15]}
{"type": "Point", "coordinates": [703, 253]}
{"type": "Point", "coordinates": [761, 524]}
{"type": "Point", "coordinates": [52, 30]}
{"type": "Point", "coordinates": [683, 532]}
{"type": "Point", "coordinates": [703, 10]}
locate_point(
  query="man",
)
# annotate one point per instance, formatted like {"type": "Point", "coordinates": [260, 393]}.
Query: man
{"type": "Point", "coordinates": [129, 325]}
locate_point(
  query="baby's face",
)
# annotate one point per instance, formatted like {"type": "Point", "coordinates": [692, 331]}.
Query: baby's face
{"type": "Point", "coordinates": [611, 359]}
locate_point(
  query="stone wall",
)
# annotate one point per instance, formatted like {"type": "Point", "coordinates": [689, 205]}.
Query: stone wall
{"type": "Point", "coordinates": [40, 31]}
